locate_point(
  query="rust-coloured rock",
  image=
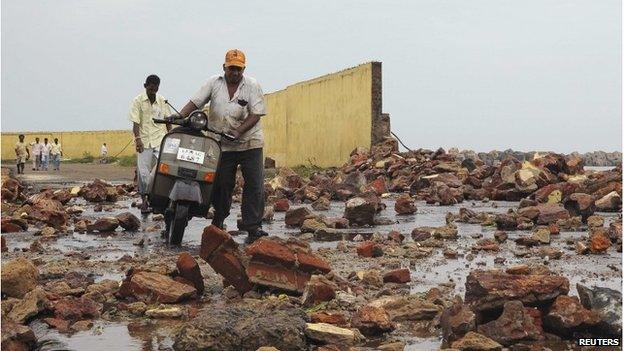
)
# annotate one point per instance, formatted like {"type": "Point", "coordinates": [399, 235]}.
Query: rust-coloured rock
{"type": "Point", "coordinates": [567, 315]}
{"type": "Point", "coordinates": [404, 205]}
{"type": "Point", "coordinates": [296, 216]}
{"type": "Point", "coordinates": [490, 290]}
{"type": "Point", "coordinates": [155, 287]}
{"type": "Point", "coordinates": [372, 321]}
{"type": "Point", "coordinates": [399, 276]}
{"type": "Point", "coordinates": [128, 221]}
{"type": "Point", "coordinates": [369, 249]}
{"type": "Point", "coordinates": [513, 326]}
{"type": "Point", "coordinates": [189, 270]}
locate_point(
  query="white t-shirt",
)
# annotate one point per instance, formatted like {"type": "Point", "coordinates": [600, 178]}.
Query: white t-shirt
{"type": "Point", "coordinates": [104, 150]}
{"type": "Point", "coordinates": [228, 114]}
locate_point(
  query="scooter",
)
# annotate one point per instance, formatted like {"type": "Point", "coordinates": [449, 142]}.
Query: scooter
{"type": "Point", "coordinates": [181, 182]}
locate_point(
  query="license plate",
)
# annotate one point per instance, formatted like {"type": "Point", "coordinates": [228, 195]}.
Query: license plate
{"type": "Point", "coordinates": [190, 155]}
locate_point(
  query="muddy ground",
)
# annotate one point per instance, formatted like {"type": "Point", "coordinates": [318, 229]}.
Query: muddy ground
{"type": "Point", "coordinates": [109, 255]}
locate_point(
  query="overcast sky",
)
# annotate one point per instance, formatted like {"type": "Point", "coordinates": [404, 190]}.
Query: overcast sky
{"type": "Point", "coordinates": [478, 74]}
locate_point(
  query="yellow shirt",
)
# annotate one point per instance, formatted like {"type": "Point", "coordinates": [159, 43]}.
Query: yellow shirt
{"type": "Point", "coordinates": [20, 148]}
{"type": "Point", "coordinates": [55, 149]}
{"type": "Point", "coordinates": [142, 112]}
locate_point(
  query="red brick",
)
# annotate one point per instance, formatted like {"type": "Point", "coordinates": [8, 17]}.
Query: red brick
{"type": "Point", "coordinates": [399, 276]}
{"type": "Point", "coordinates": [232, 269]}
{"type": "Point", "coordinates": [369, 249]}
{"type": "Point", "coordinates": [189, 270]}
{"type": "Point", "coordinates": [338, 319]}
{"type": "Point", "coordinates": [281, 205]}
{"type": "Point", "coordinates": [212, 239]}
{"type": "Point", "coordinates": [318, 289]}
{"type": "Point", "coordinates": [312, 263]}
{"type": "Point", "coordinates": [271, 251]}
{"type": "Point", "coordinates": [277, 277]}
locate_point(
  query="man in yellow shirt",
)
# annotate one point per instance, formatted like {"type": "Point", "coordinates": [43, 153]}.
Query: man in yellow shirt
{"type": "Point", "coordinates": [147, 134]}
{"type": "Point", "coordinates": [55, 154]}
{"type": "Point", "coordinates": [21, 154]}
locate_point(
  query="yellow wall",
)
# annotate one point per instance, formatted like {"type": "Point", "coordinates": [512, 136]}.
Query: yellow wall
{"type": "Point", "coordinates": [75, 143]}
{"type": "Point", "coordinates": [319, 121]}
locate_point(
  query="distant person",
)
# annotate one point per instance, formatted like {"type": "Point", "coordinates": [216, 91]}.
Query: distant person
{"type": "Point", "coordinates": [45, 154]}
{"type": "Point", "coordinates": [21, 154]}
{"type": "Point", "coordinates": [103, 153]}
{"type": "Point", "coordinates": [55, 154]}
{"type": "Point", "coordinates": [36, 150]}
{"type": "Point", "coordinates": [147, 134]}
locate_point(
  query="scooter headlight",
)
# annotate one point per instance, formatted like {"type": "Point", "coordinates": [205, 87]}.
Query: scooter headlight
{"type": "Point", "coordinates": [198, 120]}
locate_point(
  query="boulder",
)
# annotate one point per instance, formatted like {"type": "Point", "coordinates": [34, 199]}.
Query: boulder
{"type": "Point", "coordinates": [369, 249]}
{"type": "Point", "coordinates": [551, 213]}
{"type": "Point", "coordinates": [457, 320]}
{"type": "Point", "coordinates": [296, 216]}
{"type": "Point", "coordinates": [155, 287]}
{"type": "Point", "coordinates": [105, 224]}
{"type": "Point", "coordinates": [317, 290]}
{"type": "Point", "coordinates": [31, 305]}
{"type": "Point", "coordinates": [359, 211]}
{"type": "Point", "coordinates": [73, 309]}
{"type": "Point", "coordinates": [404, 205]}
{"type": "Point", "coordinates": [128, 221]}
{"type": "Point", "coordinates": [612, 202]}
{"type": "Point", "coordinates": [372, 321]}
{"type": "Point", "coordinates": [244, 326]}
{"type": "Point", "coordinates": [17, 337]}
{"type": "Point", "coordinates": [13, 225]}
{"type": "Point", "coordinates": [607, 303]}
{"type": "Point", "coordinates": [189, 270]}
{"type": "Point", "coordinates": [281, 205]}
{"type": "Point", "coordinates": [311, 225]}
{"type": "Point", "coordinates": [490, 290]}
{"type": "Point", "coordinates": [514, 325]}
{"type": "Point", "coordinates": [567, 315]}
{"type": "Point", "coordinates": [476, 342]}
{"type": "Point", "coordinates": [337, 318]}
{"type": "Point", "coordinates": [322, 204]}
{"type": "Point", "coordinates": [398, 276]}
{"type": "Point", "coordinates": [329, 334]}
{"type": "Point", "coordinates": [505, 221]}
{"type": "Point", "coordinates": [19, 276]}
{"type": "Point", "coordinates": [407, 308]}
{"type": "Point", "coordinates": [579, 204]}
{"type": "Point", "coordinates": [599, 241]}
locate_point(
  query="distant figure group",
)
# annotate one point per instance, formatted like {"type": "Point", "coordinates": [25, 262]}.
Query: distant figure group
{"type": "Point", "coordinates": [42, 154]}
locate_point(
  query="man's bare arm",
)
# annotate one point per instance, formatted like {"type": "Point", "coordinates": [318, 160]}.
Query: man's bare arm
{"type": "Point", "coordinates": [247, 124]}
{"type": "Point", "coordinates": [137, 139]}
{"type": "Point", "coordinates": [187, 109]}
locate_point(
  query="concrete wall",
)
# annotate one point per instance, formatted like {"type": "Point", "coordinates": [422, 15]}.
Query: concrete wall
{"type": "Point", "coordinates": [322, 120]}
{"type": "Point", "coordinates": [75, 143]}
{"type": "Point", "coordinates": [319, 121]}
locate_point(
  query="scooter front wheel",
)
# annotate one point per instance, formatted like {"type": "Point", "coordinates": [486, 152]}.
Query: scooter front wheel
{"type": "Point", "coordinates": [178, 223]}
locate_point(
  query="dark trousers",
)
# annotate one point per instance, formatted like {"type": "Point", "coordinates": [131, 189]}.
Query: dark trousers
{"type": "Point", "coordinates": [252, 208]}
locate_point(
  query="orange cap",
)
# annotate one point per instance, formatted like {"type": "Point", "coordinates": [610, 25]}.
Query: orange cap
{"type": "Point", "coordinates": [235, 57]}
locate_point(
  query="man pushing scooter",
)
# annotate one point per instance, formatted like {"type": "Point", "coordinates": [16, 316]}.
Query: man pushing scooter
{"type": "Point", "coordinates": [236, 105]}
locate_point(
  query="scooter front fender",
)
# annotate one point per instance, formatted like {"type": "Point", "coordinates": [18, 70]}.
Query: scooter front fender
{"type": "Point", "coordinates": [185, 190]}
